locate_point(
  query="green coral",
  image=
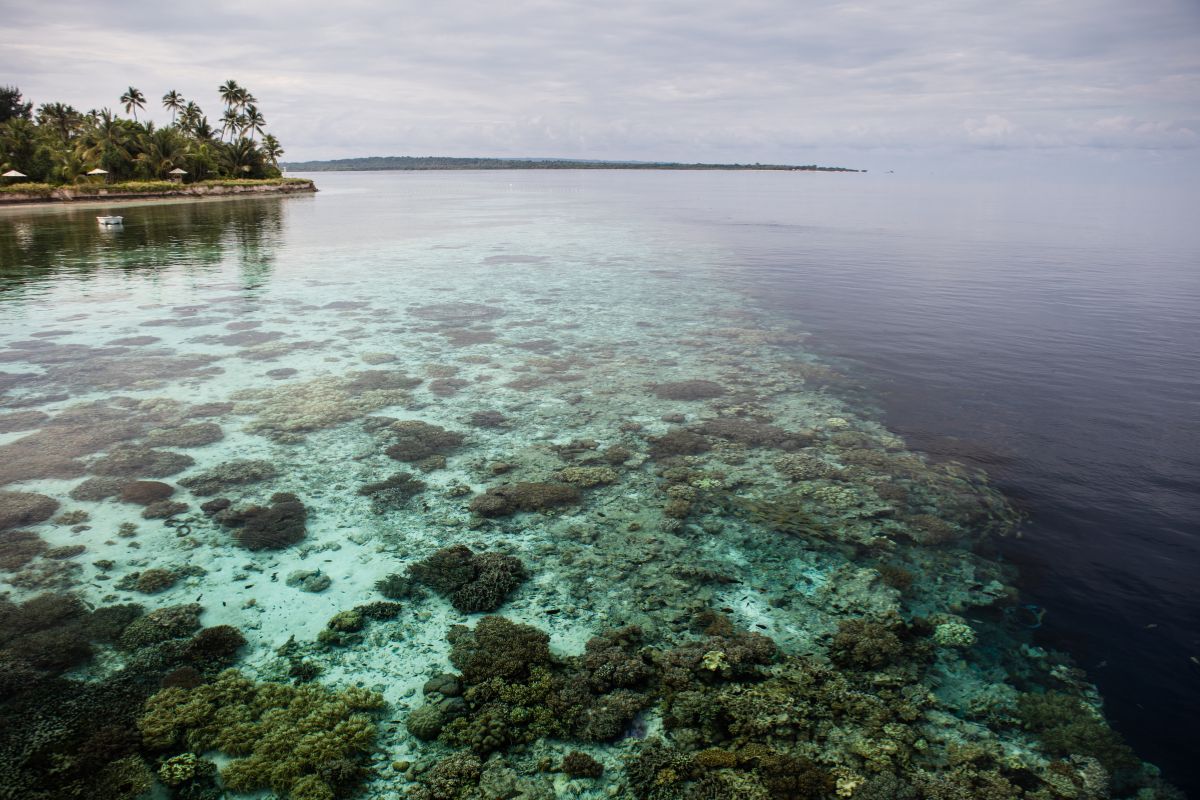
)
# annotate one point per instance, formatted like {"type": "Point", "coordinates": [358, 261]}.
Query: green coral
{"type": "Point", "coordinates": [306, 742]}
{"type": "Point", "coordinates": [1068, 726]}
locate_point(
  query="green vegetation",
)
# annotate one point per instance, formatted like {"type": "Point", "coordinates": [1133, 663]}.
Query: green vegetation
{"type": "Point", "coordinates": [440, 162]}
{"type": "Point", "coordinates": [59, 145]}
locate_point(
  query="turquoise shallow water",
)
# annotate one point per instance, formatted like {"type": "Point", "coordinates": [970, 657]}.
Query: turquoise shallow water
{"type": "Point", "coordinates": [345, 424]}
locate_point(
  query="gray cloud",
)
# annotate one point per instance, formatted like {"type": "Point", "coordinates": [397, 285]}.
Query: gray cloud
{"type": "Point", "coordinates": [755, 80]}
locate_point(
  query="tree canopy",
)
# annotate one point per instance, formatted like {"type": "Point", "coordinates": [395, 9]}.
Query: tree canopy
{"type": "Point", "coordinates": [60, 144]}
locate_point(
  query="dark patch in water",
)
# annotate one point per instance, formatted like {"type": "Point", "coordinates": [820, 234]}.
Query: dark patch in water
{"type": "Point", "coordinates": [241, 339]}
{"type": "Point", "coordinates": [185, 322]}
{"type": "Point", "coordinates": [456, 313]}
{"type": "Point", "coordinates": [514, 259]}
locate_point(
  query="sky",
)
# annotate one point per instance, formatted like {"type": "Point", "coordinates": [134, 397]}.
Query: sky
{"type": "Point", "coordinates": [1012, 85]}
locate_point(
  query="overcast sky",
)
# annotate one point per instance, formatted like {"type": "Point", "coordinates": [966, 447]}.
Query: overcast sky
{"type": "Point", "coordinates": [854, 83]}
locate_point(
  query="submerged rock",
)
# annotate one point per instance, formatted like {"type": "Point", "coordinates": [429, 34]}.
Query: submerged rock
{"type": "Point", "coordinates": [309, 580]}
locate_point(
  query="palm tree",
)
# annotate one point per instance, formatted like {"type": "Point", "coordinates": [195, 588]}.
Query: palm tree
{"type": "Point", "coordinates": [173, 100]}
{"type": "Point", "coordinates": [190, 115]}
{"type": "Point", "coordinates": [60, 118]}
{"type": "Point", "coordinates": [241, 158]}
{"type": "Point", "coordinates": [133, 99]}
{"type": "Point", "coordinates": [105, 142]}
{"type": "Point", "coordinates": [162, 151]}
{"type": "Point", "coordinates": [229, 91]}
{"type": "Point", "coordinates": [229, 121]}
{"type": "Point", "coordinates": [272, 149]}
{"type": "Point", "coordinates": [244, 98]}
{"type": "Point", "coordinates": [201, 130]}
{"type": "Point", "coordinates": [254, 121]}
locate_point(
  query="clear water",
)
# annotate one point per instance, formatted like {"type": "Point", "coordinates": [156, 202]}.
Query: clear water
{"type": "Point", "coordinates": [1046, 336]}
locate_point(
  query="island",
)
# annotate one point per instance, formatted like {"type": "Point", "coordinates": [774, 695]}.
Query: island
{"type": "Point", "coordinates": [59, 153]}
{"type": "Point", "coordinates": [446, 163]}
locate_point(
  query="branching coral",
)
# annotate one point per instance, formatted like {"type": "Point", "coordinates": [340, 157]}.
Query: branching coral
{"type": "Point", "coordinates": [509, 498]}
{"type": "Point", "coordinates": [303, 742]}
{"type": "Point", "coordinates": [286, 413]}
{"type": "Point", "coordinates": [25, 508]}
{"type": "Point", "coordinates": [688, 390]}
{"type": "Point", "coordinates": [393, 492]}
{"type": "Point", "coordinates": [678, 442]}
{"type": "Point", "coordinates": [416, 440]}
{"type": "Point", "coordinates": [473, 582]}
{"type": "Point", "coordinates": [1068, 726]}
{"type": "Point", "coordinates": [231, 473]}
{"type": "Point", "coordinates": [267, 528]}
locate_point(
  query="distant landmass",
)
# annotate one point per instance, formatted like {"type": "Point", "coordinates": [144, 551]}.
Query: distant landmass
{"type": "Point", "coordinates": [441, 162]}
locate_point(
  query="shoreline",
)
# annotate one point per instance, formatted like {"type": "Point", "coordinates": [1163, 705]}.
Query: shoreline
{"type": "Point", "coordinates": [70, 195]}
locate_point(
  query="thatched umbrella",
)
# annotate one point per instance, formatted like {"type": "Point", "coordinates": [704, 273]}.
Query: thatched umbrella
{"type": "Point", "coordinates": [177, 174]}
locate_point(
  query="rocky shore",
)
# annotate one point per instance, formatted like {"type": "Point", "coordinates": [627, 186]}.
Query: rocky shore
{"type": "Point", "coordinates": [66, 194]}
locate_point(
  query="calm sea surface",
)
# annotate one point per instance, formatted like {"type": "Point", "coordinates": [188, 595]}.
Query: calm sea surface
{"type": "Point", "coordinates": [1048, 335]}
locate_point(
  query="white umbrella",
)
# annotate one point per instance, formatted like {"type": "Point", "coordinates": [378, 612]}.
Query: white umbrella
{"type": "Point", "coordinates": [12, 173]}
{"type": "Point", "coordinates": [98, 171]}
{"type": "Point", "coordinates": [178, 171]}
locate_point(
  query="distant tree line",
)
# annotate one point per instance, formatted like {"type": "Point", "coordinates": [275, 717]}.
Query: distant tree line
{"type": "Point", "coordinates": [59, 144]}
{"type": "Point", "coordinates": [440, 162]}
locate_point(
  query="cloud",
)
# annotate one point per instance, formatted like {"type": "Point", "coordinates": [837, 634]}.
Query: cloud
{"type": "Point", "coordinates": [757, 80]}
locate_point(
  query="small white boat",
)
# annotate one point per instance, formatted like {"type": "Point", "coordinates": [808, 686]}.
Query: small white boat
{"type": "Point", "coordinates": [107, 221]}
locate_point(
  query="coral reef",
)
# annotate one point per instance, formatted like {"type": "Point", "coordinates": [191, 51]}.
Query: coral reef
{"type": "Point", "coordinates": [150, 581]}
{"type": "Point", "coordinates": [280, 525]}
{"type": "Point", "coordinates": [581, 765]}
{"type": "Point", "coordinates": [134, 461]}
{"type": "Point", "coordinates": [414, 440]}
{"type": "Point", "coordinates": [196, 434]}
{"type": "Point", "coordinates": [393, 492]}
{"type": "Point", "coordinates": [678, 442]}
{"type": "Point", "coordinates": [587, 477]}
{"type": "Point", "coordinates": [305, 742]}
{"type": "Point", "coordinates": [473, 582]}
{"type": "Point", "coordinates": [688, 390]}
{"type": "Point", "coordinates": [509, 498]}
{"type": "Point", "coordinates": [288, 412]}
{"type": "Point", "coordinates": [18, 548]}
{"type": "Point", "coordinates": [143, 493]}
{"type": "Point", "coordinates": [224, 476]}
{"type": "Point", "coordinates": [25, 508]}
{"type": "Point", "coordinates": [754, 434]}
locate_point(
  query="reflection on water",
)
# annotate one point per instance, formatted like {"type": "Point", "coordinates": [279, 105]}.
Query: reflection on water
{"type": "Point", "coordinates": [485, 487]}
{"type": "Point", "coordinates": [67, 241]}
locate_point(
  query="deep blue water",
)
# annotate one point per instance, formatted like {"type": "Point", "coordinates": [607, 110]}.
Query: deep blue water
{"type": "Point", "coordinates": [1049, 334]}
